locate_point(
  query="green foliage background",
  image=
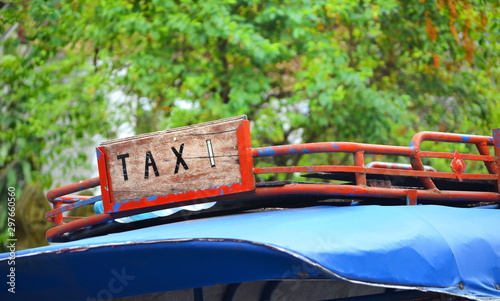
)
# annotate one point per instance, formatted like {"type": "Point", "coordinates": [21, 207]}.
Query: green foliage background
{"type": "Point", "coordinates": [303, 71]}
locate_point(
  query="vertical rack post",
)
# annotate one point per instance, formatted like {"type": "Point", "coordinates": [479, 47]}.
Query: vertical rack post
{"type": "Point", "coordinates": [496, 146]}
{"type": "Point", "coordinates": [58, 219]}
{"type": "Point", "coordinates": [359, 160]}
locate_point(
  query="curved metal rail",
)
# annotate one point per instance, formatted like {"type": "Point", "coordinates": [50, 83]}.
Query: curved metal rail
{"type": "Point", "coordinates": [63, 201]}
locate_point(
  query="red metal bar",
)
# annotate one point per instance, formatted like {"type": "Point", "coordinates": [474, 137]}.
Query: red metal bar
{"type": "Point", "coordinates": [496, 147]}
{"type": "Point", "coordinates": [330, 147]}
{"type": "Point", "coordinates": [103, 175]}
{"type": "Point", "coordinates": [351, 147]}
{"type": "Point", "coordinates": [381, 171]}
{"type": "Point", "coordinates": [62, 195]}
{"type": "Point", "coordinates": [57, 219]}
{"type": "Point", "coordinates": [59, 196]}
{"type": "Point", "coordinates": [72, 188]}
{"type": "Point", "coordinates": [71, 218]}
{"type": "Point", "coordinates": [377, 192]}
{"type": "Point", "coordinates": [416, 164]}
{"type": "Point", "coordinates": [413, 152]}
{"type": "Point", "coordinates": [56, 213]}
{"type": "Point", "coordinates": [429, 154]}
{"type": "Point", "coordinates": [411, 197]}
{"type": "Point", "coordinates": [77, 224]}
{"type": "Point", "coordinates": [418, 138]}
{"type": "Point", "coordinates": [359, 160]}
{"type": "Point", "coordinates": [72, 198]}
{"type": "Point", "coordinates": [245, 155]}
{"type": "Point", "coordinates": [482, 148]}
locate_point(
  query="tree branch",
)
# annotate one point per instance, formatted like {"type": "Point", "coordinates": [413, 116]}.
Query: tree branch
{"type": "Point", "coordinates": [7, 168]}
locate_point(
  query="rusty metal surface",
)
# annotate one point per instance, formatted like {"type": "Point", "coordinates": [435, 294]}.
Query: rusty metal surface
{"type": "Point", "coordinates": [356, 191]}
{"type": "Point", "coordinates": [413, 152]}
{"type": "Point", "coordinates": [72, 188]}
{"type": "Point", "coordinates": [71, 204]}
{"type": "Point", "coordinates": [362, 188]}
{"type": "Point", "coordinates": [496, 145]}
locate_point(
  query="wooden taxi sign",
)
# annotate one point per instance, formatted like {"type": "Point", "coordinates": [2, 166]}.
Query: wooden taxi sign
{"type": "Point", "coordinates": [188, 163]}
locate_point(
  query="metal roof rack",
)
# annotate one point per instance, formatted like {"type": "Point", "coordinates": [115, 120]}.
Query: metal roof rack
{"type": "Point", "coordinates": [220, 168]}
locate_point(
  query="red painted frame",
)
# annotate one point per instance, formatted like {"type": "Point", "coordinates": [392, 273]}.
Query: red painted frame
{"type": "Point", "coordinates": [200, 196]}
{"type": "Point", "coordinates": [247, 189]}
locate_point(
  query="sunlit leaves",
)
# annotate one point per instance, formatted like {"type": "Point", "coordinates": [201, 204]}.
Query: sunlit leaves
{"type": "Point", "coordinates": [303, 71]}
{"type": "Point", "coordinates": [51, 97]}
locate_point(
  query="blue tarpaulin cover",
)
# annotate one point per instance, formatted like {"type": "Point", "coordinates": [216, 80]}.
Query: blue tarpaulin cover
{"type": "Point", "coordinates": [429, 247]}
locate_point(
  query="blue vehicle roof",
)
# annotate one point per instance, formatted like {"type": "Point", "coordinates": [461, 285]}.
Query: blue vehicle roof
{"type": "Point", "coordinates": [427, 247]}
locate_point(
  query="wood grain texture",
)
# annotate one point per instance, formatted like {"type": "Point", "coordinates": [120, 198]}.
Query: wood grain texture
{"type": "Point", "coordinates": [174, 161]}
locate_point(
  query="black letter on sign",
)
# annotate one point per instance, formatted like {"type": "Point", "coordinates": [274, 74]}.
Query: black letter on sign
{"type": "Point", "coordinates": [124, 165]}
{"type": "Point", "coordinates": [150, 162]}
{"type": "Point", "coordinates": [179, 159]}
{"type": "Point", "coordinates": [210, 152]}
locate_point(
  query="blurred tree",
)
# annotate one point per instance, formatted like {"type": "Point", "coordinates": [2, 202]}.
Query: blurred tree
{"type": "Point", "coordinates": [52, 104]}
{"type": "Point", "coordinates": [303, 71]}
{"type": "Point", "coordinates": [30, 218]}
{"type": "Point", "coordinates": [307, 71]}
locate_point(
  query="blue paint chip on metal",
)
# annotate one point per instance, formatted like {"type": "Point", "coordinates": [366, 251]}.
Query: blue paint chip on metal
{"type": "Point", "coordinates": [151, 198]}
{"type": "Point", "coordinates": [412, 145]}
{"type": "Point", "coordinates": [496, 135]}
{"type": "Point", "coordinates": [465, 138]}
{"type": "Point", "coordinates": [98, 153]}
{"type": "Point", "coordinates": [335, 146]}
{"type": "Point", "coordinates": [292, 151]}
{"type": "Point", "coordinates": [116, 207]}
{"type": "Point", "coordinates": [492, 141]}
{"type": "Point", "coordinates": [267, 151]}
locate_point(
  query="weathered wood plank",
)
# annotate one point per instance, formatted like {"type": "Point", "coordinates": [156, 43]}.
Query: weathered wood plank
{"type": "Point", "coordinates": [174, 161]}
